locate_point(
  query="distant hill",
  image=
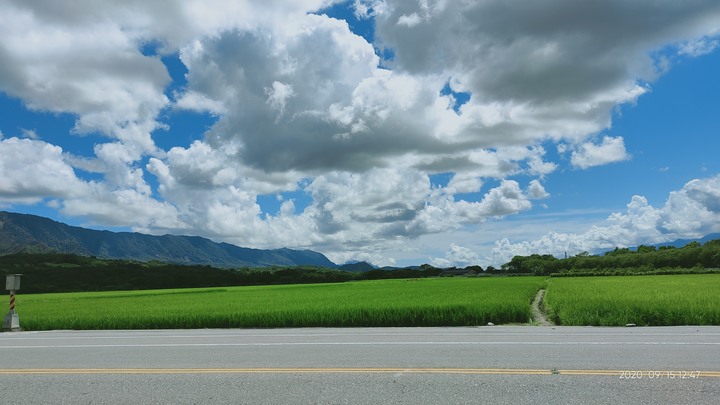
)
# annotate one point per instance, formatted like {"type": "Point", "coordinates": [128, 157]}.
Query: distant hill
{"type": "Point", "coordinates": [357, 266]}
{"type": "Point", "coordinates": [22, 233]}
{"type": "Point", "coordinates": [675, 243]}
{"type": "Point", "coordinates": [682, 242]}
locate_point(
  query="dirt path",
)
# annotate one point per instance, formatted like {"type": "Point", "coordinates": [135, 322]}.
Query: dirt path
{"type": "Point", "coordinates": [538, 310]}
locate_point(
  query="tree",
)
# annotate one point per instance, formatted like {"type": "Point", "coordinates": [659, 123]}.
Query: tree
{"type": "Point", "coordinates": [474, 268]}
{"type": "Point", "coordinates": [535, 263]}
{"type": "Point", "coordinates": [617, 251]}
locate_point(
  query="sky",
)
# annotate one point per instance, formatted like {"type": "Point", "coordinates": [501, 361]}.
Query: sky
{"type": "Point", "coordinates": [405, 132]}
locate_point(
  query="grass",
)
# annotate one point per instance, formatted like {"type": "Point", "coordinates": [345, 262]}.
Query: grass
{"type": "Point", "coordinates": [597, 301]}
{"type": "Point", "coordinates": [415, 302]}
{"type": "Point", "coordinates": [641, 300]}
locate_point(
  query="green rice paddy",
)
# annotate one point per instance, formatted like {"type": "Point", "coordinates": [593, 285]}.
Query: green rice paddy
{"type": "Point", "coordinates": [599, 301]}
{"type": "Point", "coordinates": [412, 302]}
{"type": "Point", "coordinates": [642, 300]}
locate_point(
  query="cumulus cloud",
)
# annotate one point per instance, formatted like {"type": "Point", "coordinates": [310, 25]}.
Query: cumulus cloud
{"type": "Point", "coordinates": [705, 192]}
{"type": "Point", "coordinates": [303, 105]}
{"type": "Point", "coordinates": [536, 190]}
{"type": "Point", "coordinates": [690, 212]}
{"type": "Point", "coordinates": [589, 154]}
{"type": "Point", "coordinates": [373, 210]}
{"type": "Point", "coordinates": [197, 102]}
{"type": "Point", "coordinates": [32, 170]}
{"type": "Point", "coordinates": [93, 69]}
{"type": "Point", "coordinates": [101, 205]}
{"type": "Point", "coordinates": [457, 256]}
{"type": "Point", "coordinates": [278, 96]}
{"type": "Point", "coordinates": [346, 113]}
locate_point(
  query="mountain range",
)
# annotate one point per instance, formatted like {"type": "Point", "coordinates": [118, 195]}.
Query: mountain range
{"type": "Point", "coordinates": [682, 242]}
{"type": "Point", "coordinates": [23, 233]}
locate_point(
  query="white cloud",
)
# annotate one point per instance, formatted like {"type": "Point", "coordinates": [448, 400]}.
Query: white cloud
{"type": "Point", "coordinates": [457, 256]}
{"type": "Point", "coordinates": [376, 210]}
{"type": "Point", "coordinates": [303, 106]}
{"type": "Point", "coordinates": [537, 166]}
{"type": "Point", "coordinates": [504, 200]}
{"type": "Point", "coordinates": [32, 170]}
{"type": "Point", "coordinates": [705, 192]}
{"type": "Point", "coordinates": [121, 207]}
{"type": "Point", "coordinates": [464, 183]}
{"type": "Point", "coordinates": [409, 20]}
{"type": "Point", "coordinates": [278, 96]}
{"type": "Point", "coordinates": [688, 213]}
{"type": "Point", "coordinates": [609, 151]}
{"type": "Point", "coordinates": [30, 133]}
{"type": "Point", "coordinates": [365, 9]}
{"type": "Point", "coordinates": [536, 190]}
{"type": "Point", "coordinates": [550, 68]}
{"type": "Point", "coordinates": [197, 102]}
{"type": "Point", "coordinates": [91, 68]}
{"type": "Point", "coordinates": [699, 47]}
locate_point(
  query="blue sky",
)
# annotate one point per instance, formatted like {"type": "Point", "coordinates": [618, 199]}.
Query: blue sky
{"type": "Point", "coordinates": [397, 132]}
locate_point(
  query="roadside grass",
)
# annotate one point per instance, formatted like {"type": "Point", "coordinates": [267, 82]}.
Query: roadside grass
{"type": "Point", "coordinates": [642, 300]}
{"type": "Point", "coordinates": [411, 302]}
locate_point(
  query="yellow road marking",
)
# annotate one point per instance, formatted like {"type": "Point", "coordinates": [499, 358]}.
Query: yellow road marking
{"type": "Point", "coordinates": [268, 370]}
{"type": "Point", "coordinates": [322, 370]}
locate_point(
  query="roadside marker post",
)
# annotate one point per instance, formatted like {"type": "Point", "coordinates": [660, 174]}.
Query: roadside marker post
{"type": "Point", "coordinates": [12, 320]}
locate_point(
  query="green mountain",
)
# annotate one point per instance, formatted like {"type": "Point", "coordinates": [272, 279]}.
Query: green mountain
{"type": "Point", "coordinates": [357, 266]}
{"type": "Point", "coordinates": [22, 233]}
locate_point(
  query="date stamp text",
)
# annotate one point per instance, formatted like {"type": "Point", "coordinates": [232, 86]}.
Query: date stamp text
{"type": "Point", "coordinates": [659, 374]}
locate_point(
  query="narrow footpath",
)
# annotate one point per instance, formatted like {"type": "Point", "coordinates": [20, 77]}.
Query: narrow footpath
{"type": "Point", "coordinates": [538, 310]}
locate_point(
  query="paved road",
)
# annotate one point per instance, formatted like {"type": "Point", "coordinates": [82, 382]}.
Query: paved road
{"type": "Point", "coordinates": [500, 364]}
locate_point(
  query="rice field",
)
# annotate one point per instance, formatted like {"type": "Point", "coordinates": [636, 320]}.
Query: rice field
{"type": "Point", "coordinates": [586, 301]}
{"type": "Point", "coordinates": [641, 300]}
{"type": "Point", "coordinates": [412, 302]}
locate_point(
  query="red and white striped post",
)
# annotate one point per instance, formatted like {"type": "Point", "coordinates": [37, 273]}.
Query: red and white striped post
{"type": "Point", "coordinates": [12, 320]}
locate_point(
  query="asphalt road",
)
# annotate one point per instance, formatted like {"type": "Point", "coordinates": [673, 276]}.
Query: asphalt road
{"type": "Point", "coordinates": [494, 364]}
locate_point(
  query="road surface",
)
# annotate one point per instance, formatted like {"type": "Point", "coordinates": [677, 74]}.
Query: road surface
{"type": "Point", "coordinates": [492, 364]}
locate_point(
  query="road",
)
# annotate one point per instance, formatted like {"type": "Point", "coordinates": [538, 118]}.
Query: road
{"type": "Point", "coordinates": [492, 364]}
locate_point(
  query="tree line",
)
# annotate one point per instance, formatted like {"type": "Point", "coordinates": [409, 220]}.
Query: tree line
{"type": "Point", "coordinates": [55, 272]}
{"type": "Point", "coordinates": [694, 256]}
{"type": "Point", "coordinates": [51, 272]}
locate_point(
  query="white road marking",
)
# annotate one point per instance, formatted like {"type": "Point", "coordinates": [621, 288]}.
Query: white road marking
{"type": "Point", "coordinates": [260, 344]}
{"type": "Point", "coordinates": [347, 370]}
{"type": "Point", "coordinates": [36, 335]}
